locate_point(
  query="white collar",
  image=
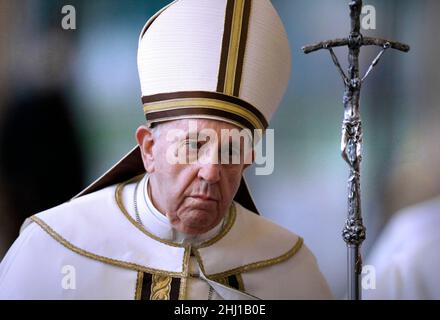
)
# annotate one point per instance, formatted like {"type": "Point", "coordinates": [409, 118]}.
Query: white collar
{"type": "Point", "coordinates": [158, 224]}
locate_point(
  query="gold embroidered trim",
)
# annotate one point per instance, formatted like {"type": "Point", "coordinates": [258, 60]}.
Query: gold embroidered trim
{"type": "Point", "coordinates": [225, 281]}
{"type": "Point", "coordinates": [183, 280]}
{"type": "Point", "coordinates": [240, 282]}
{"type": "Point", "coordinates": [206, 116]}
{"type": "Point", "coordinates": [160, 287]}
{"type": "Point", "coordinates": [230, 221]}
{"type": "Point", "coordinates": [138, 291]}
{"type": "Point", "coordinates": [118, 263]}
{"type": "Point", "coordinates": [251, 266]}
{"type": "Point", "coordinates": [204, 103]}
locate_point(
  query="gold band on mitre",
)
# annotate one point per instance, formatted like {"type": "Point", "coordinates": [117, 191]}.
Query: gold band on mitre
{"type": "Point", "coordinates": [200, 104]}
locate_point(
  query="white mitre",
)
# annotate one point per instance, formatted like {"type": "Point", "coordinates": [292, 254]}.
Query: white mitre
{"type": "Point", "coordinates": [227, 60]}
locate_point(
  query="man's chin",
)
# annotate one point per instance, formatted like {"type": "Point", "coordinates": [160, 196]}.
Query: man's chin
{"type": "Point", "coordinates": [197, 221]}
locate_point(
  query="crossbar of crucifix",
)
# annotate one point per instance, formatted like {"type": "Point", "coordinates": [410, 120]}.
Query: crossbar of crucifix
{"type": "Point", "coordinates": [354, 231]}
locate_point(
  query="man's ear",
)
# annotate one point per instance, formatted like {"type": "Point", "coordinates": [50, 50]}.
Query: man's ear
{"type": "Point", "coordinates": [145, 139]}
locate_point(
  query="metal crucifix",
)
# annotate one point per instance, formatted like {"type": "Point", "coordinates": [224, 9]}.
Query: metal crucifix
{"type": "Point", "coordinates": [351, 143]}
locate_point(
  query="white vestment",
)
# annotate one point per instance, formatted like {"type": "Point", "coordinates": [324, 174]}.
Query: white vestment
{"type": "Point", "coordinates": [406, 257]}
{"type": "Point", "coordinates": [96, 247]}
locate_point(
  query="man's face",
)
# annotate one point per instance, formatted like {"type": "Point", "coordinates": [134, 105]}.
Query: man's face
{"type": "Point", "coordinates": [195, 191]}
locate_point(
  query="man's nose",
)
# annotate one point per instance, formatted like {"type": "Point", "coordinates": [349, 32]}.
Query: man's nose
{"type": "Point", "coordinates": [210, 172]}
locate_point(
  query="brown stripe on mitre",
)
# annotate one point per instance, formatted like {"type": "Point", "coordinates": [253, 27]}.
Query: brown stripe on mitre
{"type": "Point", "coordinates": [242, 46]}
{"type": "Point", "coordinates": [175, 114]}
{"type": "Point", "coordinates": [225, 45]}
{"type": "Point", "coordinates": [237, 17]}
{"type": "Point", "coordinates": [193, 111]}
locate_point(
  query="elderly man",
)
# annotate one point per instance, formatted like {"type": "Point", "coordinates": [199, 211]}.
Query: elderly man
{"type": "Point", "coordinates": [174, 218]}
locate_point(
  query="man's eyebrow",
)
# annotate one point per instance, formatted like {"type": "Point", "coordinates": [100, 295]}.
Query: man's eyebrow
{"type": "Point", "coordinates": [200, 135]}
{"type": "Point", "coordinates": [187, 135]}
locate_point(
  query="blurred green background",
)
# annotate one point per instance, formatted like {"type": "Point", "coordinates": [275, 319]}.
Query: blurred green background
{"type": "Point", "coordinates": [92, 72]}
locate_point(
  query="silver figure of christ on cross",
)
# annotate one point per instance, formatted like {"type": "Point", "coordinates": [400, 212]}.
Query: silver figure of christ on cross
{"type": "Point", "coordinates": [354, 231]}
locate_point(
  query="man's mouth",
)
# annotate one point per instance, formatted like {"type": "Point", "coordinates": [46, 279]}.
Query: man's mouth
{"type": "Point", "coordinates": [203, 197]}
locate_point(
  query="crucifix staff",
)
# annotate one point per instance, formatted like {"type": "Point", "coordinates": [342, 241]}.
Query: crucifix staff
{"type": "Point", "coordinates": [354, 231]}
